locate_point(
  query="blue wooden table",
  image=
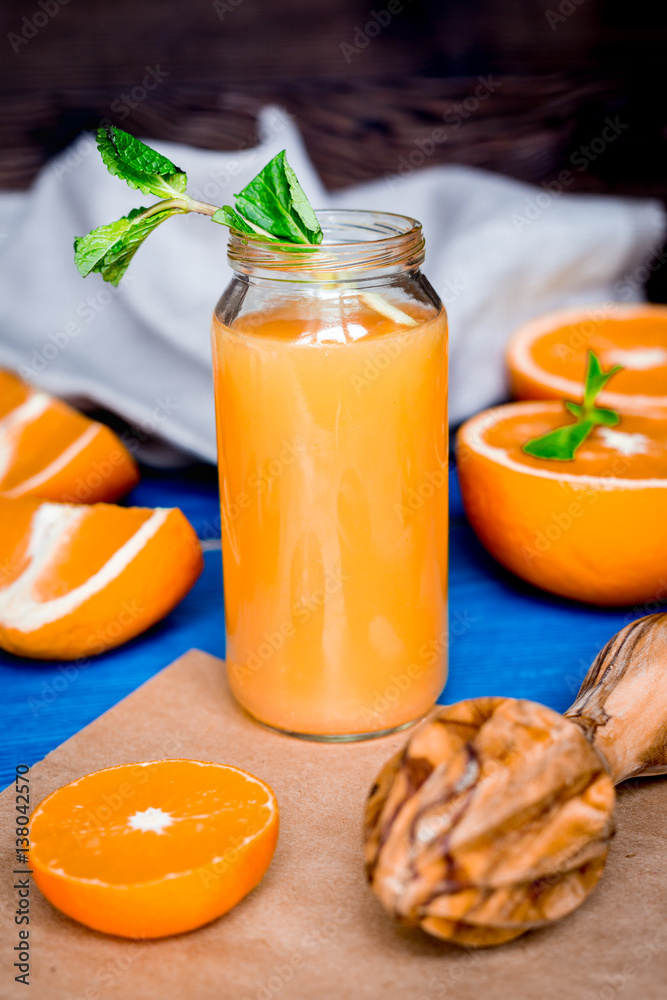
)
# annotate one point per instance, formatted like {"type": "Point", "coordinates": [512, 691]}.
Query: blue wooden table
{"type": "Point", "coordinates": [506, 637]}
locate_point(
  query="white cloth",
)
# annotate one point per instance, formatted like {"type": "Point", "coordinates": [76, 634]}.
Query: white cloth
{"type": "Point", "coordinates": [498, 252]}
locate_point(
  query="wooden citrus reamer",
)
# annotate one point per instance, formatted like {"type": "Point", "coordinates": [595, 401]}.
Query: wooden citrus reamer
{"type": "Point", "coordinates": [497, 815]}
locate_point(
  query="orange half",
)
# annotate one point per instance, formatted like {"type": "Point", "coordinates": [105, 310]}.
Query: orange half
{"type": "Point", "coordinates": [76, 580]}
{"type": "Point", "coordinates": [547, 356]}
{"type": "Point", "coordinates": [593, 529]}
{"type": "Point", "coordinates": [156, 848]}
{"type": "Point", "coordinates": [49, 450]}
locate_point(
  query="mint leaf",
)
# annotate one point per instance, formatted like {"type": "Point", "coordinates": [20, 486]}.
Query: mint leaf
{"type": "Point", "coordinates": [226, 216]}
{"type": "Point", "coordinates": [117, 259]}
{"type": "Point", "coordinates": [109, 249]}
{"type": "Point", "coordinates": [142, 167]}
{"type": "Point", "coordinates": [562, 444]}
{"type": "Point", "coordinates": [301, 205]}
{"type": "Point", "coordinates": [602, 415]}
{"type": "Point", "coordinates": [596, 379]}
{"type": "Point", "coordinates": [276, 203]}
{"type": "Point", "coordinates": [90, 250]}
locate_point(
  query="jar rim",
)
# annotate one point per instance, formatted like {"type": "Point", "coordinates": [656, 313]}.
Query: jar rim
{"type": "Point", "coordinates": [396, 243]}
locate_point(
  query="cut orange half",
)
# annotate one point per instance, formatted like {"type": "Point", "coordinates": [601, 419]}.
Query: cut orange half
{"type": "Point", "coordinates": [76, 580]}
{"type": "Point", "coordinates": [51, 451]}
{"type": "Point", "coordinates": [547, 356]}
{"type": "Point", "coordinates": [593, 529]}
{"type": "Point", "coordinates": [156, 848]}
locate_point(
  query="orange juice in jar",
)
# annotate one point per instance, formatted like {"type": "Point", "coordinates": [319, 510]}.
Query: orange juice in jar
{"type": "Point", "coordinates": [331, 396]}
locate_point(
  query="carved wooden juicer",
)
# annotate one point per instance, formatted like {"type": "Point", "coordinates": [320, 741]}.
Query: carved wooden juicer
{"type": "Point", "coordinates": [497, 815]}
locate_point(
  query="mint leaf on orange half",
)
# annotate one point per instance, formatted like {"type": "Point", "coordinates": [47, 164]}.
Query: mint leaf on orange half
{"type": "Point", "coordinates": [562, 444]}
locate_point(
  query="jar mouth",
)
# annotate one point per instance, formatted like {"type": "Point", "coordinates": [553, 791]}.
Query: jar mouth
{"type": "Point", "coordinates": [346, 227]}
{"type": "Point", "coordinates": [354, 240]}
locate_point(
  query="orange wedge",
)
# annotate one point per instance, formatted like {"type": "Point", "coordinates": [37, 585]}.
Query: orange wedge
{"type": "Point", "coordinates": [593, 529]}
{"type": "Point", "coordinates": [547, 356]}
{"type": "Point", "coordinates": [51, 451]}
{"type": "Point", "coordinates": [145, 850]}
{"type": "Point", "coordinates": [76, 580]}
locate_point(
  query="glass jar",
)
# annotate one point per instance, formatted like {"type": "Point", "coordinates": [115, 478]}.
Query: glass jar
{"type": "Point", "coordinates": [330, 373]}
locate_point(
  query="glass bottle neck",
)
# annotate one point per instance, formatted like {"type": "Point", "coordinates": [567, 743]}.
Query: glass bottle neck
{"type": "Point", "coordinates": [358, 246]}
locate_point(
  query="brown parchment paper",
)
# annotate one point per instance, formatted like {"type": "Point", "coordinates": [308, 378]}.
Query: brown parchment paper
{"type": "Point", "coordinates": [312, 930]}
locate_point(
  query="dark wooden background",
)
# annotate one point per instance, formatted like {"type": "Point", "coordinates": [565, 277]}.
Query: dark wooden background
{"type": "Point", "coordinates": [565, 66]}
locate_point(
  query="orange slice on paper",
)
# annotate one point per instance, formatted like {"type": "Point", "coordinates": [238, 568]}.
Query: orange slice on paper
{"type": "Point", "coordinates": [51, 451]}
{"type": "Point", "coordinates": [145, 850]}
{"type": "Point", "coordinates": [547, 356]}
{"type": "Point", "coordinates": [593, 529]}
{"type": "Point", "coordinates": [76, 580]}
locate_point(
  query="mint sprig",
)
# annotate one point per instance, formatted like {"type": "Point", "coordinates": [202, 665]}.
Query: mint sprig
{"type": "Point", "coordinates": [271, 207]}
{"type": "Point", "coordinates": [563, 443]}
